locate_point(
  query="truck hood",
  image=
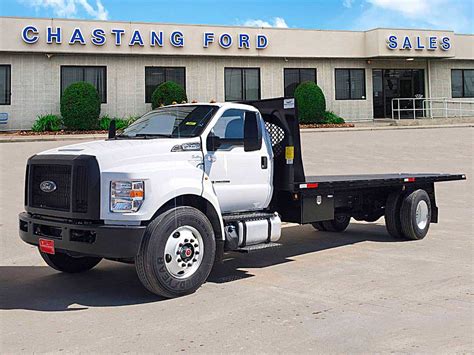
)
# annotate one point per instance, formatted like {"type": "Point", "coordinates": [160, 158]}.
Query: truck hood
{"type": "Point", "coordinates": [111, 154]}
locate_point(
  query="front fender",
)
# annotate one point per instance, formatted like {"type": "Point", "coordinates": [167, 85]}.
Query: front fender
{"type": "Point", "coordinates": [162, 184]}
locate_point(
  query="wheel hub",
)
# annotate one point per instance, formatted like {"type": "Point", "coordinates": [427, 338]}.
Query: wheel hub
{"type": "Point", "coordinates": [422, 214]}
{"type": "Point", "coordinates": [183, 252]}
{"type": "Point", "coordinates": [341, 218]}
{"type": "Point", "coordinates": [186, 252]}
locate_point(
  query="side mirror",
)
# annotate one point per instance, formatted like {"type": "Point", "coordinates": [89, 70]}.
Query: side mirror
{"type": "Point", "coordinates": [213, 143]}
{"type": "Point", "coordinates": [112, 129]}
{"type": "Point", "coordinates": [252, 132]}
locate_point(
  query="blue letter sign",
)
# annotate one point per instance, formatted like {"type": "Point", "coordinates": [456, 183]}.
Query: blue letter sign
{"type": "Point", "coordinates": [25, 34]}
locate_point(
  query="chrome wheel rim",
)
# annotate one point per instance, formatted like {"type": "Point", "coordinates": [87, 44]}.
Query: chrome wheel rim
{"type": "Point", "coordinates": [183, 252]}
{"type": "Point", "coordinates": [422, 214]}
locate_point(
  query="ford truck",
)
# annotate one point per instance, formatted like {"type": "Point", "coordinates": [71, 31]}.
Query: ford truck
{"type": "Point", "coordinates": [186, 183]}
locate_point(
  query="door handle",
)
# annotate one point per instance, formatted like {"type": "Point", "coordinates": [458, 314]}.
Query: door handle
{"type": "Point", "coordinates": [264, 163]}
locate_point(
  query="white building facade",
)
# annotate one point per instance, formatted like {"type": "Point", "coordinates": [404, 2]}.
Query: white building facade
{"type": "Point", "coordinates": [359, 72]}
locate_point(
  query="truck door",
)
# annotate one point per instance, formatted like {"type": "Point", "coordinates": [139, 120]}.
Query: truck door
{"type": "Point", "coordinates": [241, 180]}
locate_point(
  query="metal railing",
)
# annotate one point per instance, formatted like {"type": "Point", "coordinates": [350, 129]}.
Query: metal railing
{"type": "Point", "coordinates": [421, 107]}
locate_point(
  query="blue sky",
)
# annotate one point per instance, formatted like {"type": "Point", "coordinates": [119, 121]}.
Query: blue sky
{"type": "Point", "coordinates": [454, 15]}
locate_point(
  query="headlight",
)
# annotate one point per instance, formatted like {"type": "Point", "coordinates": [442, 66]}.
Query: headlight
{"type": "Point", "coordinates": [126, 196]}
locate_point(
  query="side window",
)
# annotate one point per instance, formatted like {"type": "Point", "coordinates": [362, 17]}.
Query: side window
{"type": "Point", "coordinates": [230, 128]}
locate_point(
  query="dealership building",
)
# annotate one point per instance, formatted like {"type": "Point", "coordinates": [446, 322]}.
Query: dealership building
{"type": "Point", "coordinates": [360, 72]}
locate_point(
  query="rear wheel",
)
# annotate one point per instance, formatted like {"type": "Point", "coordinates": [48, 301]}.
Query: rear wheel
{"type": "Point", "coordinates": [65, 263]}
{"type": "Point", "coordinates": [318, 226]}
{"type": "Point", "coordinates": [177, 252]}
{"type": "Point", "coordinates": [415, 215]}
{"type": "Point", "coordinates": [338, 224]}
{"type": "Point", "coordinates": [392, 215]}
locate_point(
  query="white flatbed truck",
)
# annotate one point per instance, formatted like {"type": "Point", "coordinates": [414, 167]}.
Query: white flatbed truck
{"type": "Point", "coordinates": [186, 183]}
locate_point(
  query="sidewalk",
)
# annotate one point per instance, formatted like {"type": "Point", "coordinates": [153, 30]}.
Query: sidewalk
{"type": "Point", "coordinates": [11, 138]}
{"type": "Point", "coordinates": [387, 124]}
{"type": "Point", "coordinates": [359, 126]}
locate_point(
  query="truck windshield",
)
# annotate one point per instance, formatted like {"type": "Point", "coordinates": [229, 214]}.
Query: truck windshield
{"type": "Point", "coordinates": [171, 122]}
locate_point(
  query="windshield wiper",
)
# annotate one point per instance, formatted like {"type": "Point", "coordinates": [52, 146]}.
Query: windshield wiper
{"type": "Point", "coordinates": [152, 135]}
{"type": "Point", "coordinates": [144, 136]}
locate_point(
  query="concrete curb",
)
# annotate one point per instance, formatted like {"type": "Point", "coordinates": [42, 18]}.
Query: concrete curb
{"type": "Point", "coordinates": [79, 137]}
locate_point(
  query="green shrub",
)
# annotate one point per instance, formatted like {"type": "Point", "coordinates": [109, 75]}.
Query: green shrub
{"type": "Point", "coordinates": [167, 93]}
{"type": "Point", "coordinates": [80, 106]}
{"type": "Point", "coordinates": [120, 123]}
{"type": "Point", "coordinates": [132, 119]}
{"type": "Point", "coordinates": [311, 102]}
{"type": "Point", "coordinates": [47, 123]}
{"type": "Point", "coordinates": [331, 118]}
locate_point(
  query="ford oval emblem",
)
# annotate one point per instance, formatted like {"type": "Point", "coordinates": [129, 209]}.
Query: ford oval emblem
{"type": "Point", "coordinates": [48, 186]}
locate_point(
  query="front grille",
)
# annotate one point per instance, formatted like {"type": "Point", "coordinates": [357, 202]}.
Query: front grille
{"type": "Point", "coordinates": [75, 184]}
{"type": "Point", "coordinates": [80, 189]}
{"type": "Point", "coordinates": [59, 199]}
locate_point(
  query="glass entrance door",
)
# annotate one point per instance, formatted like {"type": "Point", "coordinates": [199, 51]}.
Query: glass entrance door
{"type": "Point", "coordinates": [397, 83]}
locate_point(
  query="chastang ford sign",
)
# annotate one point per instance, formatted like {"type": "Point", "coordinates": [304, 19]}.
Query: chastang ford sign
{"type": "Point", "coordinates": [98, 37]}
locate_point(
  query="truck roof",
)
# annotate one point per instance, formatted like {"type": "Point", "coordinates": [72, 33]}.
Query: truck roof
{"type": "Point", "coordinates": [218, 104]}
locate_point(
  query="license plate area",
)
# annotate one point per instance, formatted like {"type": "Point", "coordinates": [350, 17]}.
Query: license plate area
{"type": "Point", "coordinates": [43, 230]}
{"type": "Point", "coordinates": [46, 246]}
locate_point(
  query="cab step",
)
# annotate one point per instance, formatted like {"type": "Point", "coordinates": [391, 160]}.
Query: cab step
{"type": "Point", "coordinates": [257, 247]}
{"type": "Point", "coordinates": [246, 216]}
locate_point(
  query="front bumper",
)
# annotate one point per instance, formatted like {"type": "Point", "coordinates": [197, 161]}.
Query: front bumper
{"type": "Point", "coordinates": [117, 242]}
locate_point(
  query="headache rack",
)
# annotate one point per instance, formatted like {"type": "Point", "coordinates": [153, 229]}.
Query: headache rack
{"type": "Point", "coordinates": [281, 121]}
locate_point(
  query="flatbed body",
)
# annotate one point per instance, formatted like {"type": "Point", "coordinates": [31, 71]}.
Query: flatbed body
{"type": "Point", "coordinates": [374, 180]}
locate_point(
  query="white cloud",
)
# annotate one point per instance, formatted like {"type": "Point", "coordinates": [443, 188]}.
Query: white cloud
{"type": "Point", "coordinates": [70, 8]}
{"type": "Point", "coordinates": [277, 22]}
{"type": "Point", "coordinates": [409, 8]}
{"type": "Point", "coordinates": [435, 14]}
{"type": "Point", "coordinates": [99, 14]}
{"type": "Point", "coordinates": [348, 3]}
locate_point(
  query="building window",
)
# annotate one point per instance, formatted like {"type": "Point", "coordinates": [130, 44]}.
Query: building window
{"type": "Point", "coordinates": [5, 85]}
{"type": "Point", "coordinates": [155, 76]}
{"type": "Point", "coordinates": [462, 83]}
{"type": "Point", "coordinates": [97, 76]}
{"type": "Point", "coordinates": [350, 84]}
{"type": "Point", "coordinates": [294, 77]}
{"type": "Point", "coordinates": [242, 84]}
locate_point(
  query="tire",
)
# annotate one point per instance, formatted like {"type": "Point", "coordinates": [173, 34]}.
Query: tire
{"type": "Point", "coordinates": [65, 263]}
{"type": "Point", "coordinates": [177, 252]}
{"type": "Point", "coordinates": [338, 224]}
{"type": "Point", "coordinates": [415, 215]}
{"type": "Point", "coordinates": [392, 215]}
{"type": "Point", "coordinates": [371, 218]}
{"type": "Point", "coordinates": [318, 226]}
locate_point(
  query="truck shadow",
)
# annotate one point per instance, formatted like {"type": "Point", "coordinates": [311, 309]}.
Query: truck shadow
{"type": "Point", "coordinates": [113, 284]}
{"type": "Point", "coordinates": [297, 240]}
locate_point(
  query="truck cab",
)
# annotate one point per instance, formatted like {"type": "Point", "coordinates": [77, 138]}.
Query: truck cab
{"type": "Point", "coordinates": [185, 183]}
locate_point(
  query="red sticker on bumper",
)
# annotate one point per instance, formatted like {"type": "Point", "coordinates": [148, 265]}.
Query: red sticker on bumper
{"type": "Point", "coordinates": [46, 246]}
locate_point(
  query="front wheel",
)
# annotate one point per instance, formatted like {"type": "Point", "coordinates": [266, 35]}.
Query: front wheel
{"type": "Point", "coordinates": [65, 263]}
{"type": "Point", "coordinates": [177, 252]}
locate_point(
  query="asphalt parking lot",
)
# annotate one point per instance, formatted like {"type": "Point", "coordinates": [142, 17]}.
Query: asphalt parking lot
{"type": "Point", "coordinates": [359, 291]}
